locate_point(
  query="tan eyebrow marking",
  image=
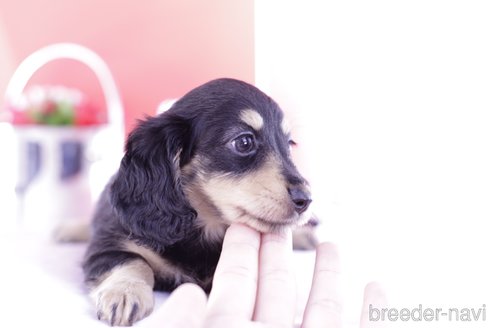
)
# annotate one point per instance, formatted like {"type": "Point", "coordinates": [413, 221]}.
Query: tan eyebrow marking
{"type": "Point", "coordinates": [252, 118]}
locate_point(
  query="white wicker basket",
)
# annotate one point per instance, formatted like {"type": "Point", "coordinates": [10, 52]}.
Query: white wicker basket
{"type": "Point", "coordinates": [60, 169]}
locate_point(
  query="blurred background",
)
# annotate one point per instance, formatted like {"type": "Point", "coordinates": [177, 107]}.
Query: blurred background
{"type": "Point", "coordinates": [155, 51]}
{"type": "Point", "coordinates": [391, 104]}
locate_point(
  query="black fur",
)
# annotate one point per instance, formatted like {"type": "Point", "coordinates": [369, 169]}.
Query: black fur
{"type": "Point", "coordinates": [145, 201]}
{"type": "Point", "coordinates": [146, 191]}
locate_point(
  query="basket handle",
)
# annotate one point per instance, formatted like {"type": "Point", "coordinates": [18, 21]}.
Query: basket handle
{"type": "Point", "coordinates": [39, 58]}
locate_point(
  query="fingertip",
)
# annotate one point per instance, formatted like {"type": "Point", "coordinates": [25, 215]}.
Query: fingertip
{"type": "Point", "coordinates": [327, 247]}
{"type": "Point", "coordinates": [374, 287]}
{"type": "Point", "coordinates": [282, 236]}
{"type": "Point", "coordinates": [192, 291]}
{"type": "Point", "coordinates": [175, 312]}
{"type": "Point", "coordinates": [375, 292]}
{"type": "Point", "coordinates": [239, 226]}
{"type": "Point", "coordinates": [241, 230]}
{"type": "Point", "coordinates": [327, 256]}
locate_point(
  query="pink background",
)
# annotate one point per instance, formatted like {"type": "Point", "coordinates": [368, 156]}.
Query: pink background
{"type": "Point", "coordinates": [155, 49]}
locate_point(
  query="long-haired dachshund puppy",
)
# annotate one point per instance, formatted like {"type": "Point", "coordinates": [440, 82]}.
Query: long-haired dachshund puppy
{"type": "Point", "coordinates": [220, 154]}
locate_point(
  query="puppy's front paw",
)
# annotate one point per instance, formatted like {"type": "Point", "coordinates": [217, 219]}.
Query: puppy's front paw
{"type": "Point", "coordinates": [124, 302]}
{"type": "Point", "coordinates": [304, 237]}
{"type": "Point", "coordinates": [72, 232]}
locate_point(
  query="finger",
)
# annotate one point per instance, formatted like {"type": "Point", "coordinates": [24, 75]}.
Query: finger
{"type": "Point", "coordinates": [374, 298]}
{"type": "Point", "coordinates": [234, 285]}
{"type": "Point", "coordinates": [276, 297]}
{"type": "Point", "coordinates": [176, 310]}
{"type": "Point", "coordinates": [324, 306]}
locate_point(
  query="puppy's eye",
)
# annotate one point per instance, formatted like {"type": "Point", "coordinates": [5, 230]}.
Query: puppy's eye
{"type": "Point", "coordinates": [244, 144]}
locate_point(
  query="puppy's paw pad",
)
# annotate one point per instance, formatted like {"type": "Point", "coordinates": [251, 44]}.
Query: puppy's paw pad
{"type": "Point", "coordinates": [123, 303]}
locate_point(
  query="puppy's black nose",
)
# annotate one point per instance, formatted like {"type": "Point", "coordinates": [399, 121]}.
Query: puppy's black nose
{"type": "Point", "coordinates": [301, 198]}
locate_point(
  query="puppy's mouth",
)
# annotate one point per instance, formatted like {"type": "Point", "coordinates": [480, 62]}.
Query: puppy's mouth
{"type": "Point", "coordinates": [263, 224]}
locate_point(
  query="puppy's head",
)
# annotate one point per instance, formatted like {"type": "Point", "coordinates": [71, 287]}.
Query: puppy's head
{"type": "Point", "coordinates": [241, 169]}
{"type": "Point", "coordinates": [222, 152]}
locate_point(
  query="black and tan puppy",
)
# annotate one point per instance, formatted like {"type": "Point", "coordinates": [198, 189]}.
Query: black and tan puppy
{"type": "Point", "coordinates": [221, 154]}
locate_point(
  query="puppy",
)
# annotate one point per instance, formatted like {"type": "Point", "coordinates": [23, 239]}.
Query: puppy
{"type": "Point", "coordinates": [220, 154]}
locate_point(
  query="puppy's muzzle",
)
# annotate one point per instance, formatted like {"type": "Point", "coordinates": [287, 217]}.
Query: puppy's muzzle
{"type": "Point", "coordinates": [300, 197]}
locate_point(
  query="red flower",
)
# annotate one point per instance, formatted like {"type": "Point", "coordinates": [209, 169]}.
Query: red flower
{"type": "Point", "coordinates": [56, 106]}
{"type": "Point", "coordinates": [87, 114]}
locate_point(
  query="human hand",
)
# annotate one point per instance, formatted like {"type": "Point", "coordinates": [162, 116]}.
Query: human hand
{"type": "Point", "coordinates": [254, 286]}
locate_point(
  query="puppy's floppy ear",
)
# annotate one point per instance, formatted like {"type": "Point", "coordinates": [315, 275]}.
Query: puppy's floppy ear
{"type": "Point", "coordinates": [146, 191]}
